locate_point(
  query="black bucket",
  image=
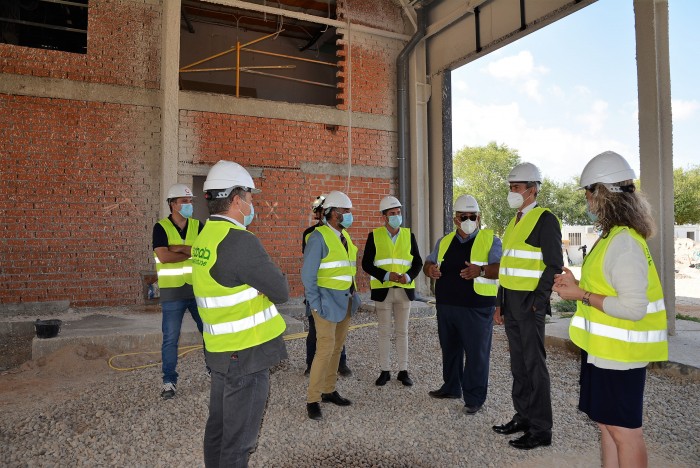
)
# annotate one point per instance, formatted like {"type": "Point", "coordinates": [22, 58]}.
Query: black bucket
{"type": "Point", "coordinates": [47, 328]}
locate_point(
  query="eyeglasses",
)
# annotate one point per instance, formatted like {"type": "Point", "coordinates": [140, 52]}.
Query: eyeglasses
{"type": "Point", "coordinates": [468, 217]}
{"type": "Point", "coordinates": [591, 188]}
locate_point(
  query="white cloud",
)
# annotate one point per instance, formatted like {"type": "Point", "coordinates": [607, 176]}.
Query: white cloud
{"type": "Point", "coordinates": [519, 70]}
{"type": "Point", "coordinates": [683, 110]}
{"type": "Point", "coordinates": [559, 152]}
{"type": "Point", "coordinates": [596, 117]}
{"type": "Point", "coordinates": [515, 67]}
{"type": "Point", "coordinates": [460, 85]}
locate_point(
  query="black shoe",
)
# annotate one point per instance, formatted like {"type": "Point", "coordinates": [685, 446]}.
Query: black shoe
{"type": "Point", "coordinates": [335, 398]}
{"type": "Point", "coordinates": [314, 411]}
{"type": "Point", "coordinates": [307, 371]}
{"type": "Point", "coordinates": [471, 410]}
{"type": "Point", "coordinates": [344, 370]}
{"type": "Point", "coordinates": [384, 377]}
{"type": "Point", "coordinates": [404, 378]}
{"type": "Point", "coordinates": [511, 427]}
{"type": "Point", "coordinates": [529, 442]}
{"type": "Point", "coordinates": [441, 395]}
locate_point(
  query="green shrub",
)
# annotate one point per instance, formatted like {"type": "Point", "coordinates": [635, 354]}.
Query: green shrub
{"type": "Point", "coordinates": [565, 305]}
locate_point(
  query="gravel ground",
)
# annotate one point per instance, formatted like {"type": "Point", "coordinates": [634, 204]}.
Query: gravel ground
{"type": "Point", "coordinates": [120, 420]}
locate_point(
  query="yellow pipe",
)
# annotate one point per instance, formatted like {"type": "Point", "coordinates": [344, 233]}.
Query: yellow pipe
{"type": "Point", "coordinates": [208, 58]}
{"type": "Point", "coordinates": [290, 57]}
{"type": "Point", "coordinates": [238, 66]}
{"type": "Point", "coordinates": [289, 78]}
{"type": "Point", "coordinates": [262, 38]}
{"type": "Point", "coordinates": [233, 68]}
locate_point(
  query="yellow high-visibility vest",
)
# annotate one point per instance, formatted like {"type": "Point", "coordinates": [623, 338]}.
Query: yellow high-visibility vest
{"type": "Point", "coordinates": [478, 256]}
{"type": "Point", "coordinates": [392, 257]}
{"type": "Point", "coordinates": [521, 264]}
{"type": "Point", "coordinates": [614, 338]}
{"type": "Point", "coordinates": [338, 268]}
{"type": "Point", "coordinates": [175, 275]}
{"type": "Point", "coordinates": [233, 318]}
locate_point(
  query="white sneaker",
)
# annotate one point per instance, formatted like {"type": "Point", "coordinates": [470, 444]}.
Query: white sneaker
{"type": "Point", "coordinates": [168, 391]}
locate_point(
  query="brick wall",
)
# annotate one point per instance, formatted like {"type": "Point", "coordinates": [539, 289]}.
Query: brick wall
{"type": "Point", "coordinates": [78, 198]}
{"type": "Point", "coordinates": [123, 48]}
{"type": "Point", "coordinates": [280, 147]}
{"type": "Point", "coordinates": [368, 61]}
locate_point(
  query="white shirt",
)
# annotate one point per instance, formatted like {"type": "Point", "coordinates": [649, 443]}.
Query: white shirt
{"type": "Point", "coordinates": [625, 268]}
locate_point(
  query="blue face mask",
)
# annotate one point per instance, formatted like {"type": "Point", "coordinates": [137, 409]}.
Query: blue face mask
{"type": "Point", "coordinates": [592, 216]}
{"type": "Point", "coordinates": [186, 210]}
{"type": "Point", "coordinates": [347, 220]}
{"type": "Point", "coordinates": [248, 218]}
{"type": "Point", "coordinates": [395, 221]}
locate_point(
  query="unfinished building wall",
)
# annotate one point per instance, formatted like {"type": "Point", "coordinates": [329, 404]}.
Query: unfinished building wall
{"type": "Point", "coordinates": [79, 164]}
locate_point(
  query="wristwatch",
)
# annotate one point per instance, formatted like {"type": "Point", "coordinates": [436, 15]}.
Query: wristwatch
{"type": "Point", "coordinates": [586, 300]}
{"type": "Point", "coordinates": [483, 271]}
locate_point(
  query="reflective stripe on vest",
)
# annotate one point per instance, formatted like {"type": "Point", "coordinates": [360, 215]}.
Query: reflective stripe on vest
{"type": "Point", "coordinates": [392, 257]}
{"type": "Point", "coordinates": [479, 256]}
{"type": "Point", "coordinates": [337, 269]}
{"type": "Point", "coordinates": [175, 275]}
{"type": "Point", "coordinates": [521, 264]}
{"type": "Point", "coordinates": [233, 318]}
{"type": "Point", "coordinates": [613, 338]}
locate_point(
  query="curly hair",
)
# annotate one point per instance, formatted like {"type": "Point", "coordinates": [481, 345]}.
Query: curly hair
{"type": "Point", "coordinates": [626, 207]}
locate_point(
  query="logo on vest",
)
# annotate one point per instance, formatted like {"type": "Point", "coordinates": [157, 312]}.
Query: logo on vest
{"type": "Point", "coordinates": [200, 256]}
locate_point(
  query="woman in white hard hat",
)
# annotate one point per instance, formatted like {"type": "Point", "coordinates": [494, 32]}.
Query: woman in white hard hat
{"type": "Point", "coordinates": [620, 321]}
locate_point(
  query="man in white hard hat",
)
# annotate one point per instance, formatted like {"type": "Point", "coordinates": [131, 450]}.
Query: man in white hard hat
{"type": "Point", "coordinates": [328, 275]}
{"type": "Point", "coordinates": [172, 243]}
{"type": "Point", "coordinates": [343, 369]}
{"type": "Point", "coordinates": [392, 260]}
{"type": "Point", "coordinates": [237, 286]}
{"type": "Point", "coordinates": [464, 265]}
{"type": "Point", "coordinates": [532, 255]}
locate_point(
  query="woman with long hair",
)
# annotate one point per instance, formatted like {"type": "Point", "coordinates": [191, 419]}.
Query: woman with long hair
{"type": "Point", "coordinates": [620, 321]}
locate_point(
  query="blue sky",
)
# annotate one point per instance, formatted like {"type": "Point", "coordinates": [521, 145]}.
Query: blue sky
{"type": "Point", "coordinates": [567, 92]}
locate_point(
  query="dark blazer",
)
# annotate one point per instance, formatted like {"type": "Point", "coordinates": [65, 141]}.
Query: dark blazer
{"type": "Point", "coordinates": [370, 269]}
{"type": "Point", "coordinates": [547, 236]}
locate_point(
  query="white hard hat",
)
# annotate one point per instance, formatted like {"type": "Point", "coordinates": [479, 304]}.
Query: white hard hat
{"type": "Point", "coordinates": [336, 199]}
{"type": "Point", "coordinates": [525, 172]}
{"type": "Point", "coordinates": [318, 203]}
{"type": "Point", "coordinates": [179, 190]}
{"type": "Point", "coordinates": [226, 175]}
{"type": "Point", "coordinates": [388, 203]}
{"type": "Point", "coordinates": [606, 168]}
{"type": "Point", "coordinates": [466, 204]}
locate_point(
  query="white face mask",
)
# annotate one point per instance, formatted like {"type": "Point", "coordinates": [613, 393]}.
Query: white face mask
{"type": "Point", "coordinates": [515, 199]}
{"type": "Point", "coordinates": [468, 226]}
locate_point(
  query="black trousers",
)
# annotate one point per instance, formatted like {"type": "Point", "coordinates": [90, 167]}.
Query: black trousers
{"type": "Point", "coordinates": [528, 364]}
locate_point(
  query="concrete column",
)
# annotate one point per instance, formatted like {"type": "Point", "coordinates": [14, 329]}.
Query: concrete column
{"type": "Point", "coordinates": [655, 136]}
{"type": "Point", "coordinates": [440, 141]}
{"type": "Point", "coordinates": [419, 93]}
{"type": "Point", "coordinates": [169, 109]}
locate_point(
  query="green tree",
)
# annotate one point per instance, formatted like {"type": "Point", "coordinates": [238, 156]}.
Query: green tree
{"type": "Point", "coordinates": [482, 171]}
{"type": "Point", "coordinates": [565, 200]}
{"type": "Point", "coordinates": [686, 195]}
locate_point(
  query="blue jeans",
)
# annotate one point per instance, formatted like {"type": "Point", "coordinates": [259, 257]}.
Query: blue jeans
{"type": "Point", "coordinates": [173, 312]}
